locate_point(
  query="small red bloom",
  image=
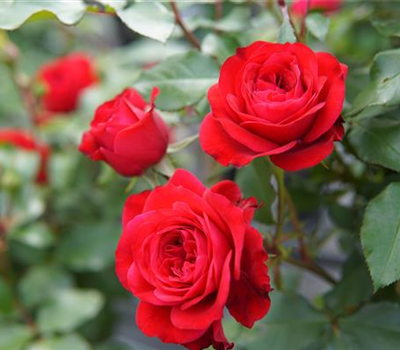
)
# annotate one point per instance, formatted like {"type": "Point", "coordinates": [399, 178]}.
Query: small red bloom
{"type": "Point", "coordinates": [65, 79]}
{"type": "Point", "coordinates": [187, 252]}
{"type": "Point", "coordinates": [299, 7]}
{"type": "Point", "coordinates": [277, 100]}
{"type": "Point", "coordinates": [127, 134]}
{"type": "Point", "coordinates": [23, 140]}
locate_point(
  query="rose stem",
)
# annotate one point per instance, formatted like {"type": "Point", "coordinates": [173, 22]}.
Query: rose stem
{"type": "Point", "coordinates": [285, 14]}
{"type": "Point", "coordinates": [280, 179]}
{"type": "Point", "coordinates": [219, 9]}
{"type": "Point", "coordinates": [303, 30]}
{"type": "Point", "coordinates": [178, 19]}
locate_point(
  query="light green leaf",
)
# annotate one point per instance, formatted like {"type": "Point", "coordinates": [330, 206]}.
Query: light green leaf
{"type": "Point", "coordinates": [380, 236]}
{"type": "Point", "coordinates": [23, 164]}
{"type": "Point", "coordinates": [150, 19]}
{"type": "Point", "coordinates": [89, 247]}
{"type": "Point", "coordinates": [286, 32]}
{"type": "Point", "coordinates": [14, 13]}
{"type": "Point", "coordinates": [177, 146]}
{"type": "Point", "coordinates": [318, 25]}
{"type": "Point", "coordinates": [375, 326]}
{"type": "Point", "coordinates": [13, 336]}
{"type": "Point", "coordinates": [183, 80]}
{"type": "Point", "coordinates": [255, 181]}
{"type": "Point", "coordinates": [218, 46]}
{"type": "Point", "coordinates": [235, 21]}
{"type": "Point", "coordinates": [41, 283]}
{"type": "Point", "coordinates": [68, 342]}
{"type": "Point", "coordinates": [69, 309]}
{"type": "Point", "coordinates": [37, 235]}
{"type": "Point", "coordinates": [377, 141]}
{"type": "Point", "coordinates": [383, 92]}
{"type": "Point", "coordinates": [290, 324]}
{"type": "Point", "coordinates": [6, 298]}
{"type": "Point", "coordinates": [390, 27]}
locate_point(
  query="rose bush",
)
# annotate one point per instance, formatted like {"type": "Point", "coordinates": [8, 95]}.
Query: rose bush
{"type": "Point", "coordinates": [64, 80]}
{"type": "Point", "coordinates": [23, 140]}
{"type": "Point", "coordinates": [127, 134]}
{"type": "Point", "coordinates": [277, 100]}
{"type": "Point", "coordinates": [187, 252]}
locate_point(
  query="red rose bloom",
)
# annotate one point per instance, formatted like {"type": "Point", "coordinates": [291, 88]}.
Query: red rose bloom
{"type": "Point", "coordinates": [23, 140]}
{"type": "Point", "coordinates": [65, 79]}
{"type": "Point", "coordinates": [299, 7]}
{"type": "Point", "coordinates": [282, 101]}
{"type": "Point", "coordinates": [187, 252]}
{"type": "Point", "coordinates": [127, 134]}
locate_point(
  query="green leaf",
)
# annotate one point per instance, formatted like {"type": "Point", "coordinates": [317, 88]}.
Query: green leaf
{"type": "Point", "coordinates": [290, 324]}
{"type": "Point", "coordinates": [318, 25]}
{"type": "Point", "coordinates": [375, 326]}
{"type": "Point", "coordinates": [6, 298]}
{"type": "Point", "coordinates": [183, 80]}
{"type": "Point", "coordinates": [377, 141]}
{"type": "Point", "coordinates": [389, 27]}
{"type": "Point", "coordinates": [354, 288]}
{"type": "Point", "coordinates": [37, 235]}
{"type": "Point", "coordinates": [218, 46]}
{"type": "Point", "coordinates": [68, 342]}
{"type": "Point", "coordinates": [13, 336]}
{"type": "Point", "coordinates": [286, 32]}
{"type": "Point", "coordinates": [14, 13]}
{"type": "Point", "coordinates": [380, 236]}
{"type": "Point", "coordinates": [89, 247]}
{"type": "Point", "coordinates": [235, 21]}
{"type": "Point", "coordinates": [255, 181]}
{"type": "Point", "coordinates": [383, 92]}
{"type": "Point", "coordinates": [41, 283]}
{"type": "Point", "coordinates": [68, 309]}
{"type": "Point", "coordinates": [177, 146]}
{"type": "Point", "coordinates": [150, 19]}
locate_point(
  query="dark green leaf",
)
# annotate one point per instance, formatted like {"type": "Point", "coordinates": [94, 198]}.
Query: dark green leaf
{"type": "Point", "coordinates": [6, 298]}
{"type": "Point", "coordinates": [290, 324]}
{"type": "Point", "coordinates": [255, 181]}
{"type": "Point", "coordinates": [69, 309]}
{"type": "Point", "coordinates": [183, 80]}
{"type": "Point", "coordinates": [377, 141]}
{"type": "Point", "coordinates": [380, 236]}
{"type": "Point", "coordinates": [383, 92]}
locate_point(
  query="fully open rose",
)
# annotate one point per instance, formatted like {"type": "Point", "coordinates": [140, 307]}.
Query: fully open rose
{"type": "Point", "coordinates": [277, 100]}
{"type": "Point", "coordinates": [23, 140]}
{"type": "Point", "coordinates": [187, 252]}
{"type": "Point", "coordinates": [127, 133]}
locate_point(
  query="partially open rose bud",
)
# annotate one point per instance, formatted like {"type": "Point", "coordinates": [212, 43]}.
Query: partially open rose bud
{"type": "Point", "coordinates": [127, 133]}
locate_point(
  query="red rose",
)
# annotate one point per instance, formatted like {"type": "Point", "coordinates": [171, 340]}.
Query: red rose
{"type": "Point", "coordinates": [276, 100]}
{"type": "Point", "coordinates": [25, 141]}
{"type": "Point", "coordinates": [186, 252]}
{"type": "Point", "coordinates": [65, 79]}
{"type": "Point", "coordinates": [299, 7]}
{"type": "Point", "coordinates": [127, 134]}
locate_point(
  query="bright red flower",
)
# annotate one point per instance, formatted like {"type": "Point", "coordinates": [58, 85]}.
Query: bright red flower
{"type": "Point", "coordinates": [299, 7]}
{"type": "Point", "coordinates": [65, 79]}
{"type": "Point", "coordinates": [127, 134]}
{"type": "Point", "coordinates": [23, 140]}
{"type": "Point", "coordinates": [277, 100]}
{"type": "Point", "coordinates": [187, 252]}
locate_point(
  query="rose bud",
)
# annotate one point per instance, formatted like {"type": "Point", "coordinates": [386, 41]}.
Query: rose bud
{"type": "Point", "coordinates": [299, 7]}
{"type": "Point", "coordinates": [64, 80]}
{"type": "Point", "coordinates": [23, 140]}
{"type": "Point", "coordinates": [277, 100]}
{"type": "Point", "coordinates": [127, 134]}
{"type": "Point", "coordinates": [187, 252]}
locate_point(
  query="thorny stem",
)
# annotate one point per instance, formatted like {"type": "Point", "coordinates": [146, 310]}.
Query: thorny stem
{"type": "Point", "coordinates": [285, 15]}
{"type": "Point", "coordinates": [189, 35]}
{"type": "Point", "coordinates": [303, 28]}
